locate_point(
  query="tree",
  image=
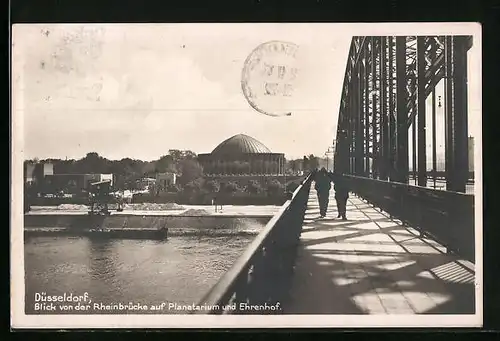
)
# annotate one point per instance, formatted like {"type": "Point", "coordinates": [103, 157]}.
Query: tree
{"type": "Point", "coordinates": [190, 170]}
{"type": "Point", "coordinates": [212, 186]}
{"type": "Point", "coordinates": [230, 187]}
{"type": "Point", "coordinates": [176, 155]}
{"type": "Point", "coordinates": [305, 163]}
{"type": "Point", "coordinates": [253, 187]}
{"type": "Point", "coordinates": [194, 186]}
{"type": "Point", "coordinates": [313, 162]}
{"type": "Point", "coordinates": [274, 187]}
{"type": "Point", "coordinates": [63, 166]}
{"type": "Point", "coordinates": [187, 154]}
{"type": "Point", "coordinates": [165, 164]}
{"type": "Point", "coordinates": [149, 169]}
{"type": "Point", "coordinates": [127, 171]}
{"type": "Point", "coordinates": [291, 186]}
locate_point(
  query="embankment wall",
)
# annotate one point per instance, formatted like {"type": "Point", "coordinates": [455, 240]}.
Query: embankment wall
{"type": "Point", "coordinates": [176, 225]}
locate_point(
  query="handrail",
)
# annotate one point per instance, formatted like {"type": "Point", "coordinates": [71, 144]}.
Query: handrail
{"type": "Point", "coordinates": [225, 288]}
{"type": "Point", "coordinates": [243, 262]}
{"type": "Point", "coordinates": [446, 216]}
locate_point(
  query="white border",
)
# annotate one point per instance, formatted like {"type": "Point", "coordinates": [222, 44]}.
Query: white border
{"type": "Point", "coordinates": [20, 320]}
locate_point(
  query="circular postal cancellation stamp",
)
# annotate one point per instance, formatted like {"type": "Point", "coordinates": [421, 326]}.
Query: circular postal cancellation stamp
{"type": "Point", "coordinates": [269, 77]}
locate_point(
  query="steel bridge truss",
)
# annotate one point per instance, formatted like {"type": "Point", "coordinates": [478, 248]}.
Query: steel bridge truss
{"type": "Point", "coordinates": [386, 84]}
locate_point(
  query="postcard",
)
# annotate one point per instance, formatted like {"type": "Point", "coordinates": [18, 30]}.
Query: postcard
{"type": "Point", "coordinates": [246, 175]}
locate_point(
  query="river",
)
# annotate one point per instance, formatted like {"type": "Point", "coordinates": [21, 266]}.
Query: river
{"type": "Point", "coordinates": [143, 272]}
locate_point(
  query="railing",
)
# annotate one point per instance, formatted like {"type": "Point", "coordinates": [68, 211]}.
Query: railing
{"type": "Point", "coordinates": [446, 216]}
{"type": "Point", "coordinates": [259, 280]}
{"type": "Point", "coordinates": [440, 175]}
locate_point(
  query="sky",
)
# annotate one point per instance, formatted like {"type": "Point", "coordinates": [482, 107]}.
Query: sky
{"type": "Point", "coordinates": [139, 90]}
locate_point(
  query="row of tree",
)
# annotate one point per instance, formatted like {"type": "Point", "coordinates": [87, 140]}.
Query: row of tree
{"type": "Point", "coordinates": [128, 171]}
{"type": "Point", "coordinates": [203, 186]}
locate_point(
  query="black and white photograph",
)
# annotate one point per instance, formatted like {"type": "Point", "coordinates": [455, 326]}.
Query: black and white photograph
{"type": "Point", "coordinates": [246, 175]}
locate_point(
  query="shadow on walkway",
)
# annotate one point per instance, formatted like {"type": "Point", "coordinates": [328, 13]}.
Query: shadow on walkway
{"type": "Point", "coordinates": [373, 265]}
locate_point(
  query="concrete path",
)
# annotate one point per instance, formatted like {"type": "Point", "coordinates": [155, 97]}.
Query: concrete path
{"type": "Point", "coordinates": [200, 210]}
{"type": "Point", "coordinates": [371, 264]}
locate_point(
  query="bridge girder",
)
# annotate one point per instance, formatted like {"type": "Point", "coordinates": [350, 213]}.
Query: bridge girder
{"type": "Point", "coordinates": [386, 85]}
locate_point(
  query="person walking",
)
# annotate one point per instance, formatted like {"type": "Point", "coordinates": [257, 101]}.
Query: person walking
{"type": "Point", "coordinates": [322, 186]}
{"type": "Point", "coordinates": [341, 196]}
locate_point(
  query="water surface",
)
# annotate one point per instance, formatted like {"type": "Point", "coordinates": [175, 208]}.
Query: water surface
{"type": "Point", "coordinates": [146, 272]}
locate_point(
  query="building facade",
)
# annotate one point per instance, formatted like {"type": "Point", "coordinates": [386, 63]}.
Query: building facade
{"type": "Point", "coordinates": [72, 183]}
{"type": "Point", "coordinates": [146, 183]}
{"type": "Point", "coordinates": [165, 180]}
{"type": "Point", "coordinates": [36, 172]}
{"type": "Point", "coordinates": [242, 155]}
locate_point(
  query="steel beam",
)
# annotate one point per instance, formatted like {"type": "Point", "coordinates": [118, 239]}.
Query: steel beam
{"type": "Point", "coordinates": [358, 93]}
{"type": "Point", "coordinates": [374, 112]}
{"type": "Point", "coordinates": [401, 112]}
{"type": "Point", "coordinates": [351, 112]}
{"type": "Point", "coordinates": [460, 121]}
{"type": "Point", "coordinates": [421, 97]}
{"type": "Point", "coordinates": [448, 106]}
{"type": "Point", "coordinates": [414, 147]}
{"type": "Point", "coordinates": [384, 122]}
{"type": "Point", "coordinates": [366, 111]}
{"type": "Point", "coordinates": [434, 154]}
{"type": "Point", "coordinates": [392, 114]}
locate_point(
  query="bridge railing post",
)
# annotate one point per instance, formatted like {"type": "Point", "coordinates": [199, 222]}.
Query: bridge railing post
{"type": "Point", "coordinates": [257, 292]}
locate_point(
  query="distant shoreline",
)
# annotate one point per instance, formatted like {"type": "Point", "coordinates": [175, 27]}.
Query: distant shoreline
{"type": "Point", "coordinates": [147, 234]}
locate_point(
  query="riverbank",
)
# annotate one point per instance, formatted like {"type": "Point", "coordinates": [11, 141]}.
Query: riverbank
{"type": "Point", "coordinates": [151, 234]}
{"type": "Point", "coordinates": [140, 225]}
{"type": "Point", "coordinates": [154, 234]}
{"type": "Point", "coordinates": [185, 210]}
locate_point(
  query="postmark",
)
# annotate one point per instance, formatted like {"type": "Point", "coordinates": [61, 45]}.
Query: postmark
{"type": "Point", "coordinates": [269, 77]}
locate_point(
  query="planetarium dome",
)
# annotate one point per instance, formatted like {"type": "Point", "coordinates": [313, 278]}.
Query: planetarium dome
{"type": "Point", "coordinates": [242, 155]}
{"type": "Point", "coordinates": [241, 144]}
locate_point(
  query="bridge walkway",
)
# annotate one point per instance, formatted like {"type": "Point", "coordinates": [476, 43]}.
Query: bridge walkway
{"type": "Point", "coordinates": [371, 264]}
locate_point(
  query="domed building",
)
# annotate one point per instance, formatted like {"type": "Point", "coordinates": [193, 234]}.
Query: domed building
{"type": "Point", "coordinates": [242, 155]}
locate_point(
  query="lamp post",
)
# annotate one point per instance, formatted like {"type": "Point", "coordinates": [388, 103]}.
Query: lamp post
{"type": "Point", "coordinates": [329, 151]}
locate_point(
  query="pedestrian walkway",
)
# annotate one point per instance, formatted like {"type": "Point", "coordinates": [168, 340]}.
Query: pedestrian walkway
{"type": "Point", "coordinates": [371, 264]}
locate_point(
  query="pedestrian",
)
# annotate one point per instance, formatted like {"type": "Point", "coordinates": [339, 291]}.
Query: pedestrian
{"type": "Point", "coordinates": [341, 195]}
{"type": "Point", "coordinates": [322, 184]}
{"type": "Point", "coordinates": [216, 205]}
